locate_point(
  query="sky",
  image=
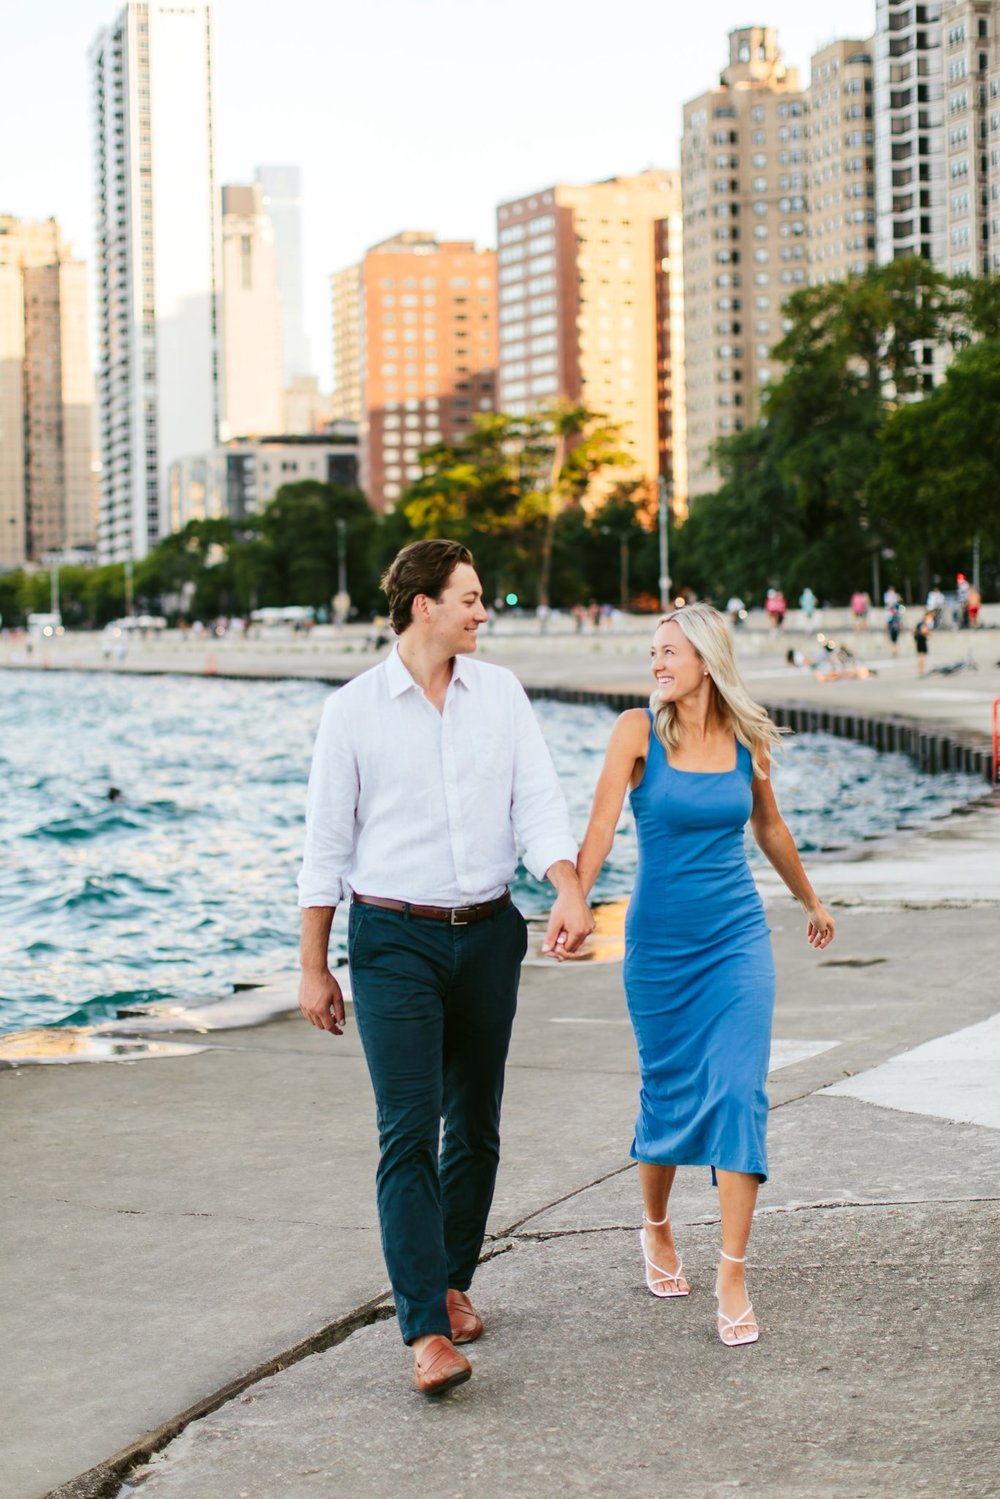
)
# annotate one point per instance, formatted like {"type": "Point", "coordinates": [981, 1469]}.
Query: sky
{"type": "Point", "coordinates": [417, 114]}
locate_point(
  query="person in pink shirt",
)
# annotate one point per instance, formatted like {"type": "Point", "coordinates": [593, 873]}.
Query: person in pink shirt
{"type": "Point", "coordinates": [860, 605]}
{"type": "Point", "coordinates": [775, 607]}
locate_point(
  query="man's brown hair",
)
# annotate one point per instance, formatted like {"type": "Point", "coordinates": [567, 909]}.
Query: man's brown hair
{"type": "Point", "coordinates": [422, 567]}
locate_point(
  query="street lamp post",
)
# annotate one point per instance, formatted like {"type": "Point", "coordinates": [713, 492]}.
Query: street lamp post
{"type": "Point", "coordinates": [664, 529]}
{"type": "Point", "coordinates": [342, 603]}
{"type": "Point", "coordinates": [341, 556]}
{"type": "Point", "coordinates": [623, 580]}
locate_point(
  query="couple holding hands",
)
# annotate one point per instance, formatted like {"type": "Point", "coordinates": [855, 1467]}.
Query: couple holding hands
{"type": "Point", "coordinates": [428, 770]}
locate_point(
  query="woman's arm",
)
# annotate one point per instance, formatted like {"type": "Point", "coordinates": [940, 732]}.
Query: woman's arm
{"type": "Point", "coordinates": [629, 743]}
{"type": "Point", "coordinates": [778, 847]}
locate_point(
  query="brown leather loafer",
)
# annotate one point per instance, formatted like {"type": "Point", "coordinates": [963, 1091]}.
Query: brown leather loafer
{"type": "Point", "coordinates": [466, 1323]}
{"type": "Point", "coordinates": [439, 1367]}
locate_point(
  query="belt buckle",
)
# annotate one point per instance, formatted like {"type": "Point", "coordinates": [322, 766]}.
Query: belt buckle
{"type": "Point", "coordinates": [454, 919]}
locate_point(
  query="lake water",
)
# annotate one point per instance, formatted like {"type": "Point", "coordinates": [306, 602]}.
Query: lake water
{"type": "Point", "coordinates": [184, 883]}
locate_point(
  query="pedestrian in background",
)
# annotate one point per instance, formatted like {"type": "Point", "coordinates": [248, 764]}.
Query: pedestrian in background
{"type": "Point", "coordinates": [737, 611]}
{"type": "Point", "coordinates": [860, 605]}
{"type": "Point", "coordinates": [973, 604]}
{"type": "Point", "coordinates": [807, 603]}
{"type": "Point", "coordinates": [921, 639]}
{"type": "Point", "coordinates": [893, 617]}
{"type": "Point", "coordinates": [775, 606]}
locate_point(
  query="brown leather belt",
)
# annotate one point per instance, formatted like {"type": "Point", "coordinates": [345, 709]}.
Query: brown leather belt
{"type": "Point", "coordinates": [454, 915]}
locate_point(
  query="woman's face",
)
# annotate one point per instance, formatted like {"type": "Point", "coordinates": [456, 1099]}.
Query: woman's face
{"type": "Point", "coordinates": [676, 665]}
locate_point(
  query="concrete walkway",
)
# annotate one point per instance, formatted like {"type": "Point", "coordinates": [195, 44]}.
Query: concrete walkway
{"type": "Point", "coordinates": [175, 1225]}
{"type": "Point", "coordinates": [179, 1229]}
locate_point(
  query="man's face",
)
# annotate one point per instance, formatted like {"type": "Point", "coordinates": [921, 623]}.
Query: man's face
{"type": "Point", "coordinates": [458, 613]}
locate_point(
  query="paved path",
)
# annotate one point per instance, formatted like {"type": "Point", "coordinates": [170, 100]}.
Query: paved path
{"type": "Point", "coordinates": [177, 1223]}
{"type": "Point", "coordinates": [174, 1227]}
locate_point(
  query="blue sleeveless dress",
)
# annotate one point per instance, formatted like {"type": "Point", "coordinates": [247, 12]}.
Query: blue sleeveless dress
{"type": "Point", "coordinates": [699, 972]}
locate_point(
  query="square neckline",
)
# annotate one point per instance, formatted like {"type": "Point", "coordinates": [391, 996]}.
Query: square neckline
{"type": "Point", "coordinates": [678, 771]}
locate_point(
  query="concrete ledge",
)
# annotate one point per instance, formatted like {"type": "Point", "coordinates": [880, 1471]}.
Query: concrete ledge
{"type": "Point", "coordinates": [104, 1481]}
{"type": "Point", "coordinates": [934, 749]}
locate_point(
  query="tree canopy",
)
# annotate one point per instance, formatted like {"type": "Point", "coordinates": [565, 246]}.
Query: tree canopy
{"type": "Point", "coordinates": [859, 456]}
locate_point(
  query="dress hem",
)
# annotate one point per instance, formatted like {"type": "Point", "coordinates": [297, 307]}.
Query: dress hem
{"type": "Point", "coordinates": [714, 1166]}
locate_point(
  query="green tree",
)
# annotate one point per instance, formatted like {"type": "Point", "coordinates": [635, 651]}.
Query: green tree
{"type": "Point", "coordinates": [937, 483]}
{"type": "Point", "coordinates": [11, 607]}
{"type": "Point", "coordinates": [585, 445]}
{"type": "Point", "coordinates": [291, 547]}
{"type": "Point", "coordinates": [502, 488]}
{"type": "Point", "coordinates": [104, 594]}
{"type": "Point", "coordinates": [190, 571]}
{"type": "Point", "coordinates": [619, 548]}
{"type": "Point", "coordinates": [473, 490]}
{"type": "Point", "coordinates": [853, 354]}
{"type": "Point", "coordinates": [748, 535]}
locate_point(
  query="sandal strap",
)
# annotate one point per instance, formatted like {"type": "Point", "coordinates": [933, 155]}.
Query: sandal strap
{"type": "Point", "coordinates": [662, 1274]}
{"type": "Point", "coordinates": [741, 1320]}
{"type": "Point", "coordinates": [667, 1274]}
{"type": "Point", "coordinates": [656, 1222]}
{"type": "Point", "coordinates": [733, 1258]}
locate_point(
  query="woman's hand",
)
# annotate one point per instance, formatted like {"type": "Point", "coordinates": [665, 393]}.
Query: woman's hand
{"type": "Point", "coordinates": [821, 928]}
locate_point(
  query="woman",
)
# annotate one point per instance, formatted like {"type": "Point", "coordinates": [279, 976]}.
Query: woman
{"type": "Point", "coordinates": [699, 975]}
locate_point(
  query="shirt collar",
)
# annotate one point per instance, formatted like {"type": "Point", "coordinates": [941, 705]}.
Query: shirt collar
{"type": "Point", "coordinates": [400, 680]}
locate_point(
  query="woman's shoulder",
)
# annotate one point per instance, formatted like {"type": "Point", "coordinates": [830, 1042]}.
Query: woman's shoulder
{"type": "Point", "coordinates": [631, 732]}
{"type": "Point", "coordinates": [634, 722]}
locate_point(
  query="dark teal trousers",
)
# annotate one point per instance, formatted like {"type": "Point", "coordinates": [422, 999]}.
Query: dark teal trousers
{"type": "Point", "coordinates": [434, 1006]}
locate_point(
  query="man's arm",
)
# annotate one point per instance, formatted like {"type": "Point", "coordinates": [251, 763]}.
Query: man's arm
{"type": "Point", "coordinates": [570, 920]}
{"type": "Point", "coordinates": [330, 832]}
{"type": "Point", "coordinates": [320, 997]}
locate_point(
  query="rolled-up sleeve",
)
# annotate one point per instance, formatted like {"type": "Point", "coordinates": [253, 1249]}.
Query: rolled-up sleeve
{"type": "Point", "coordinates": [538, 807]}
{"type": "Point", "coordinates": [331, 812]}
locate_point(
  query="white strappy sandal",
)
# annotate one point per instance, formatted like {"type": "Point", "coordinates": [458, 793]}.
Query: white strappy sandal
{"type": "Point", "coordinates": [672, 1277]}
{"type": "Point", "coordinates": [730, 1324]}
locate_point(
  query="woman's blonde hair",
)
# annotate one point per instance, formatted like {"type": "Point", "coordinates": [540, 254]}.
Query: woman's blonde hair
{"type": "Point", "coordinates": [708, 632]}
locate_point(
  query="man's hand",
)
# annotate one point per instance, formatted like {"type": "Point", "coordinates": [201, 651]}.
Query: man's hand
{"type": "Point", "coordinates": [570, 921]}
{"type": "Point", "coordinates": [321, 1001]}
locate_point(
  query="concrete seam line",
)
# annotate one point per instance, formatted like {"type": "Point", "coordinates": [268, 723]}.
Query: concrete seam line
{"type": "Point", "coordinates": [102, 1207]}
{"type": "Point", "coordinates": [104, 1480]}
{"type": "Point", "coordinates": [542, 1235]}
{"type": "Point", "coordinates": [505, 1233]}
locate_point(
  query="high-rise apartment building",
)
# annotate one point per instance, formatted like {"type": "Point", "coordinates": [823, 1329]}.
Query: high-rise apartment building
{"type": "Point", "coordinates": [253, 374]}
{"type": "Point", "coordinates": [348, 344]}
{"type": "Point", "coordinates": [840, 176]}
{"type": "Point", "coordinates": [587, 274]}
{"type": "Point", "coordinates": [670, 360]}
{"type": "Point", "coordinates": [971, 71]}
{"type": "Point", "coordinates": [282, 189]}
{"type": "Point", "coordinates": [424, 319]}
{"type": "Point", "coordinates": [990, 148]}
{"type": "Point", "coordinates": [911, 204]}
{"type": "Point", "coordinates": [157, 261]}
{"type": "Point", "coordinates": [743, 166]}
{"type": "Point", "coordinates": [46, 396]}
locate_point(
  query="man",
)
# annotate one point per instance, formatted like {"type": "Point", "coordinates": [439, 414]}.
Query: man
{"type": "Point", "coordinates": [425, 769]}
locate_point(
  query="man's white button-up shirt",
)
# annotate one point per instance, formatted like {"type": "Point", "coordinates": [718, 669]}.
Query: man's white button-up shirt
{"type": "Point", "coordinates": [414, 804]}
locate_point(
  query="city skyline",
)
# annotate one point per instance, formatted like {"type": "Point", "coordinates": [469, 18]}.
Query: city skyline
{"type": "Point", "coordinates": [393, 56]}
